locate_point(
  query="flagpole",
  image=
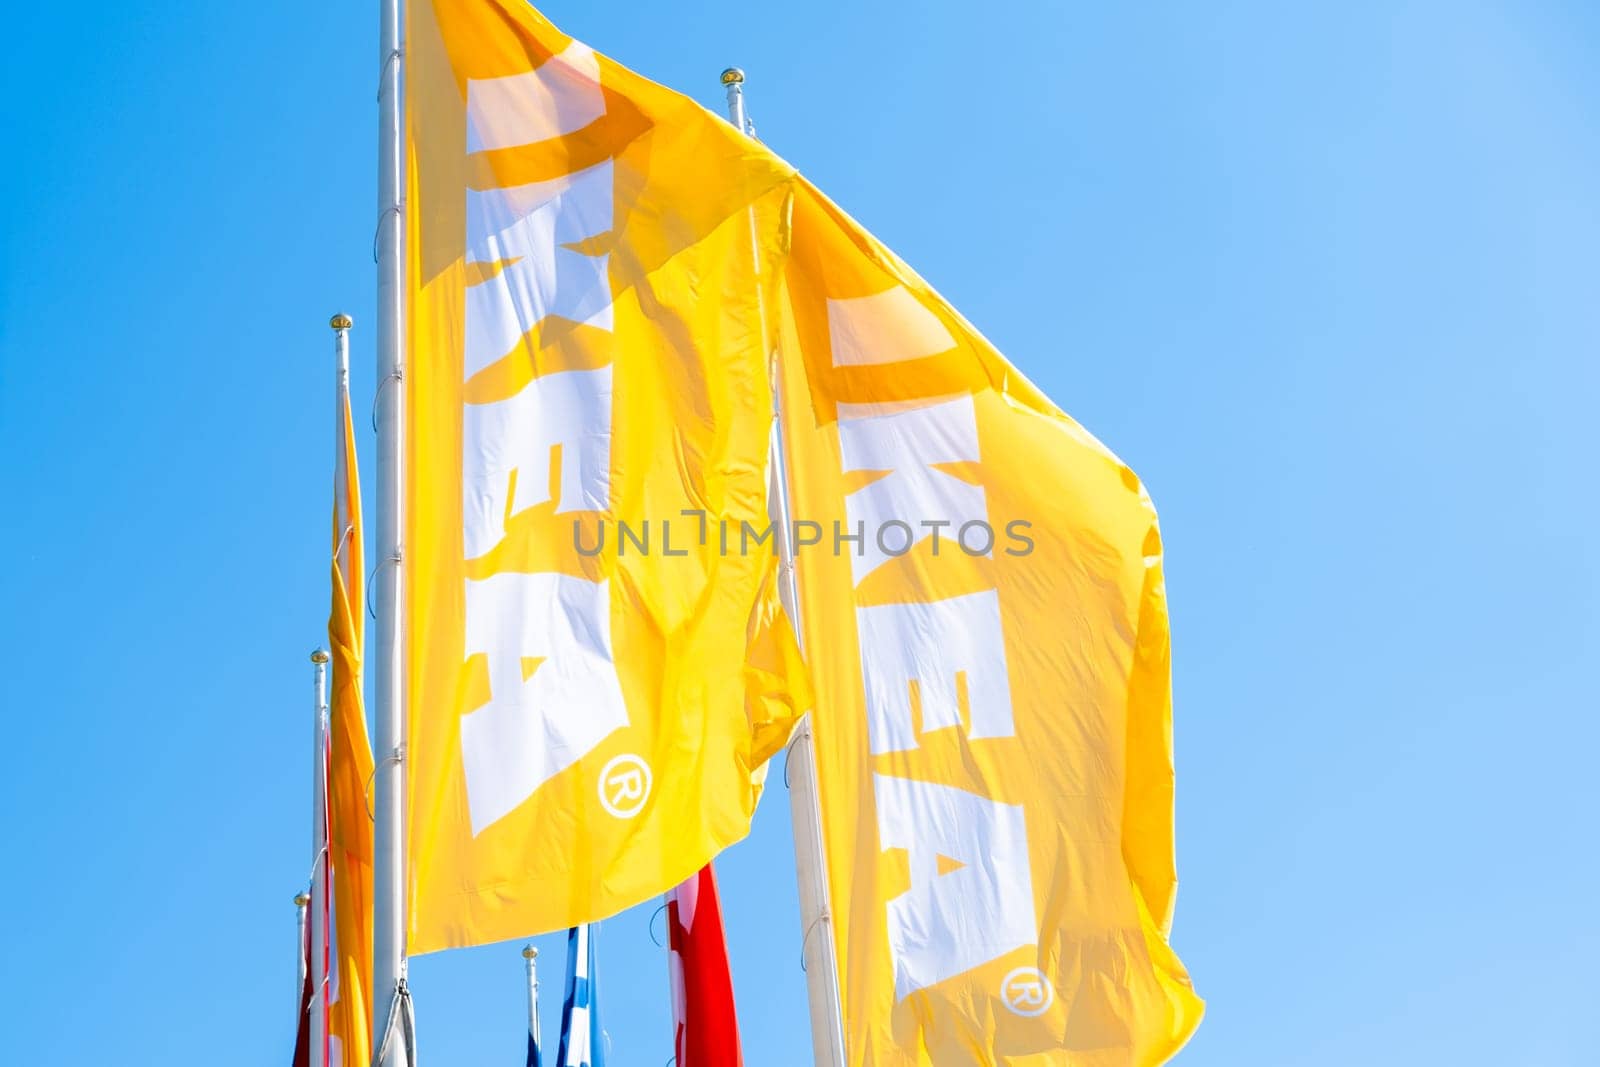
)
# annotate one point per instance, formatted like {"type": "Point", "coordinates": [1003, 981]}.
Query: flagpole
{"type": "Point", "coordinates": [733, 82]}
{"type": "Point", "coordinates": [391, 1034]}
{"type": "Point", "coordinates": [531, 954]}
{"type": "Point", "coordinates": [301, 956]}
{"type": "Point", "coordinates": [805, 815]}
{"type": "Point", "coordinates": [340, 324]}
{"type": "Point", "coordinates": [319, 861]}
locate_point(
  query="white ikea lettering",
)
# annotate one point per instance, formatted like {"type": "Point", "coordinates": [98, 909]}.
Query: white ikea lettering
{"type": "Point", "coordinates": [905, 442]}
{"type": "Point", "coordinates": [537, 724]}
{"type": "Point", "coordinates": [949, 923]}
{"type": "Point", "coordinates": [559, 98]}
{"type": "Point", "coordinates": [931, 644]}
{"type": "Point", "coordinates": [554, 693]}
{"type": "Point", "coordinates": [887, 327]}
{"type": "Point", "coordinates": [568, 408]}
{"type": "Point", "coordinates": [529, 231]}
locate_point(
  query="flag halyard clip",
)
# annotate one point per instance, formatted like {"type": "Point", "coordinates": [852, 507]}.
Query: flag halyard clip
{"type": "Point", "coordinates": [396, 755]}
{"type": "Point", "coordinates": [399, 1005]}
{"type": "Point", "coordinates": [317, 861]}
{"type": "Point", "coordinates": [394, 209]}
{"type": "Point", "coordinates": [825, 918]}
{"type": "Point", "coordinates": [801, 732]}
{"type": "Point", "coordinates": [344, 539]}
{"type": "Point", "coordinates": [383, 71]}
{"type": "Point", "coordinates": [372, 613]}
{"type": "Point", "coordinates": [397, 375]}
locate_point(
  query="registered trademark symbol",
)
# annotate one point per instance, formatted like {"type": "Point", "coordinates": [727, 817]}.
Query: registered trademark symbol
{"type": "Point", "coordinates": [1027, 991]}
{"type": "Point", "coordinates": [624, 785]}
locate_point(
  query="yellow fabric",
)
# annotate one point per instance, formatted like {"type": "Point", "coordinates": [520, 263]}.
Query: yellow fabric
{"type": "Point", "coordinates": [349, 771]}
{"type": "Point", "coordinates": [702, 653]}
{"type": "Point", "coordinates": [1084, 623]}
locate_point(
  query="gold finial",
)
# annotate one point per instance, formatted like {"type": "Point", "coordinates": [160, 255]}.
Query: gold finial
{"type": "Point", "coordinates": [302, 899]}
{"type": "Point", "coordinates": [319, 656]}
{"type": "Point", "coordinates": [341, 321]}
{"type": "Point", "coordinates": [733, 76]}
{"type": "Point", "coordinates": [529, 952]}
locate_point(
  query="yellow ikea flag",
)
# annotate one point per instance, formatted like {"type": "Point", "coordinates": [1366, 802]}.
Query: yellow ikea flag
{"type": "Point", "coordinates": [986, 626]}
{"type": "Point", "coordinates": [591, 679]}
{"type": "Point", "coordinates": [349, 770]}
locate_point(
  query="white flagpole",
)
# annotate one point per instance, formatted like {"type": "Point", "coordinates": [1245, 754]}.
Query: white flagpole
{"type": "Point", "coordinates": [302, 958]}
{"type": "Point", "coordinates": [733, 82]}
{"type": "Point", "coordinates": [816, 923]}
{"type": "Point", "coordinates": [319, 862]}
{"type": "Point", "coordinates": [391, 1032]}
{"type": "Point", "coordinates": [531, 954]}
{"type": "Point", "coordinates": [340, 325]}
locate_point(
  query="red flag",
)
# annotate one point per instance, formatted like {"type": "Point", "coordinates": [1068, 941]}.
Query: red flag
{"type": "Point", "coordinates": [702, 986]}
{"type": "Point", "coordinates": [302, 1032]}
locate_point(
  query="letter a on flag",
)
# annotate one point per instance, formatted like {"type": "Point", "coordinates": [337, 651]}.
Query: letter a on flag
{"type": "Point", "coordinates": [993, 725]}
{"type": "Point", "coordinates": [592, 679]}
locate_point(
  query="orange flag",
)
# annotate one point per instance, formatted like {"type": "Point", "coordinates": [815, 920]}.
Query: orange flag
{"type": "Point", "coordinates": [349, 763]}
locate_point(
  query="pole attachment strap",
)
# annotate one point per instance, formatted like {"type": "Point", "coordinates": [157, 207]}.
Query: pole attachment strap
{"type": "Point", "coordinates": [383, 71]}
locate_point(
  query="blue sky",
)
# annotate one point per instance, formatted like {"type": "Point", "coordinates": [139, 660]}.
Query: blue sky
{"type": "Point", "coordinates": [1324, 274]}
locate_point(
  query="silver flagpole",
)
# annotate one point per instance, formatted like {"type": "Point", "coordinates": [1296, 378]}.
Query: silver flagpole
{"type": "Point", "coordinates": [302, 958]}
{"type": "Point", "coordinates": [733, 82]}
{"type": "Point", "coordinates": [340, 325]}
{"type": "Point", "coordinates": [531, 954]}
{"type": "Point", "coordinates": [319, 862]}
{"type": "Point", "coordinates": [816, 924]}
{"type": "Point", "coordinates": [391, 1032]}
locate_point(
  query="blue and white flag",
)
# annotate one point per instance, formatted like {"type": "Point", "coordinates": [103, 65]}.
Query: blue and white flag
{"type": "Point", "coordinates": [583, 1043]}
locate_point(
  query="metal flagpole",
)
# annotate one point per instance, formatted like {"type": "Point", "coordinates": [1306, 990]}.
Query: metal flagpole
{"type": "Point", "coordinates": [319, 862]}
{"type": "Point", "coordinates": [816, 924]}
{"type": "Point", "coordinates": [340, 325]}
{"type": "Point", "coordinates": [301, 956]}
{"type": "Point", "coordinates": [391, 1034]}
{"type": "Point", "coordinates": [733, 82]}
{"type": "Point", "coordinates": [531, 954]}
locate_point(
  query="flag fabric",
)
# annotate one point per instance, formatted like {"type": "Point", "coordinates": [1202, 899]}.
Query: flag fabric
{"type": "Point", "coordinates": [986, 625]}
{"type": "Point", "coordinates": [319, 909]}
{"type": "Point", "coordinates": [598, 271]}
{"type": "Point", "coordinates": [583, 1041]}
{"type": "Point", "coordinates": [349, 767]}
{"type": "Point", "coordinates": [302, 1033]}
{"type": "Point", "coordinates": [591, 677]}
{"type": "Point", "coordinates": [705, 1025]}
{"type": "Point", "coordinates": [302, 1029]}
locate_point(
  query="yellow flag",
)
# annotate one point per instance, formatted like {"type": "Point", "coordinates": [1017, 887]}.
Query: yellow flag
{"type": "Point", "coordinates": [986, 627]}
{"type": "Point", "coordinates": [349, 770]}
{"type": "Point", "coordinates": [592, 678]}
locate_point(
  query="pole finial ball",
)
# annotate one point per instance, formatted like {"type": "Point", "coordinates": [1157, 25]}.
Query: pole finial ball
{"type": "Point", "coordinates": [341, 321]}
{"type": "Point", "coordinates": [302, 899]}
{"type": "Point", "coordinates": [319, 656]}
{"type": "Point", "coordinates": [733, 76]}
{"type": "Point", "coordinates": [529, 952]}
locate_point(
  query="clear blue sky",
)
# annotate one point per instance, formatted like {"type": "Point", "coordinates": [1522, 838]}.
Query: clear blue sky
{"type": "Point", "coordinates": [1324, 274]}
